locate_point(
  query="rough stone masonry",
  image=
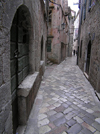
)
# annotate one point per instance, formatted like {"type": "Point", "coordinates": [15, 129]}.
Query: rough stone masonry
{"type": "Point", "coordinates": [22, 23]}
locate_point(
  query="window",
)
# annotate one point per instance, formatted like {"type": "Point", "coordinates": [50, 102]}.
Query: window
{"type": "Point", "coordinates": [49, 45]}
{"type": "Point", "coordinates": [84, 10]}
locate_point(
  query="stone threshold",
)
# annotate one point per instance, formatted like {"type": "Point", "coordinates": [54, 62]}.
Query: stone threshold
{"type": "Point", "coordinates": [98, 95]}
{"type": "Point", "coordinates": [86, 75]}
{"type": "Point", "coordinates": [21, 130]}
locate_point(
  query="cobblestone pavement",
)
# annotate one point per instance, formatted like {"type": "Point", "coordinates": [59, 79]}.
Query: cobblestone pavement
{"type": "Point", "coordinates": [65, 103]}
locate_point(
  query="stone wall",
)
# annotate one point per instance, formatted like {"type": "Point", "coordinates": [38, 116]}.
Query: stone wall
{"type": "Point", "coordinates": [37, 30]}
{"type": "Point", "coordinates": [56, 34]}
{"type": "Point", "coordinates": [90, 32]}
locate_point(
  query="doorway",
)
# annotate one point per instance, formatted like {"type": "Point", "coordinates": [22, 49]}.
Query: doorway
{"type": "Point", "coordinates": [41, 58]}
{"type": "Point", "coordinates": [19, 56]}
{"type": "Point", "coordinates": [63, 51]}
{"type": "Point", "coordinates": [88, 58]}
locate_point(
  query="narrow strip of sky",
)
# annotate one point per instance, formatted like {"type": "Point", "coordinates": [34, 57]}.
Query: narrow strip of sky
{"type": "Point", "coordinates": [74, 7]}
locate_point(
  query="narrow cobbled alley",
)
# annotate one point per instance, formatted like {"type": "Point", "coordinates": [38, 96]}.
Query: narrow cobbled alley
{"type": "Point", "coordinates": [65, 103]}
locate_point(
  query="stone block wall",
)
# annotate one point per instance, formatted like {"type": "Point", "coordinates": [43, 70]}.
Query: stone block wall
{"type": "Point", "coordinates": [38, 28]}
{"type": "Point", "coordinates": [90, 32]}
{"type": "Point", "coordinates": [56, 34]}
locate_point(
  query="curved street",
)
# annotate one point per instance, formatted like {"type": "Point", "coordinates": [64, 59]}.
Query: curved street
{"type": "Point", "coordinates": [65, 103]}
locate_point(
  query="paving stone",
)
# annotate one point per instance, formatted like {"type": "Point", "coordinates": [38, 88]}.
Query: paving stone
{"type": "Point", "coordinates": [43, 122]}
{"type": "Point", "coordinates": [51, 125]}
{"type": "Point", "coordinates": [90, 116]}
{"type": "Point", "coordinates": [59, 121]}
{"type": "Point", "coordinates": [90, 111]}
{"type": "Point", "coordinates": [60, 109]}
{"type": "Point", "coordinates": [76, 112]}
{"type": "Point", "coordinates": [86, 131]}
{"type": "Point", "coordinates": [42, 116]}
{"type": "Point", "coordinates": [88, 120]}
{"type": "Point", "coordinates": [51, 107]}
{"type": "Point", "coordinates": [67, 110]}
{"type": "Point", "coordinates": [64, 133]}
{"type": "Point", "coordinates": [60, 102]}
{"type": "Point", "coordinates": [98, 120]}
{"type": "Point", "coordinates": [52, 118]}
{"type": "Point", "coordinates": [51, 112]}
{"type": "Point", "coordinates": [79, 120]}
{"type": "Point", "coordinates": [51, 102]}
{"type": "Point", "coordinates": [58, 130]}
{"type": "Point", "coordinates": [56, 96]}
{"type": "Point", "coordinates": [75, 129]}
{"type": "Point", "coordinates": [44, 110]}
{"type": "Point", "coordinates": [69, 115]}
{"type": "Point", "coordinates": [74, 107]}
{"type": "Point", "coordinates": [83, 112]}
{"type": "Point", "coordinates": [44, 129]}
{"type": "Point", "coordinates": [97, 114]}
{"type": "Point", "coordinates": [88, 105]}
{"type": "Point", "coordinates": [65, 105]}
{"type": "Point", "coordinates": [92, 129]}
{"type": "Point", "coordinates": [80, 133]}
{"type": "Point", "coordinates": [69, 103]}
{"type": "Point", "coordinates": [58, 115]}
{"type": "Point", "coordinates": [55, 99]}
{"type": "Point", "coordinates": [71, 122]}
{"type": "Point", "coordinates": [95, 108]}
{"type": "Point", "coordinates": [62, 99]}
{"type": "Point", "coordinates": [45, 105]}
{"type": "Point", "coordinates": [56, 104]}
{"type": "Point", "coordinates": [96, 125]}
{"type": "Point", "coordinates": [81, 115]}
{"type": "Point", "coordinates": [97, 132]}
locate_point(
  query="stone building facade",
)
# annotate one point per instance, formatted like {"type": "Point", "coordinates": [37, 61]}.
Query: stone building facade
{"type": "Point", "coordinates": [57, 31]}
{"type": "Point", "coordinates": [75, 36]}
{"type": "Point", "coordinates": [89, 41]}
{"type": "Point", "coordinates": [23, 36]}
{"type": "Point", "coordinates": [70, 34]}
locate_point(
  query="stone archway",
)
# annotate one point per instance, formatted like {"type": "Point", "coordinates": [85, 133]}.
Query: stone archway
{"type": "Point", "coordinates": [19, 55]}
